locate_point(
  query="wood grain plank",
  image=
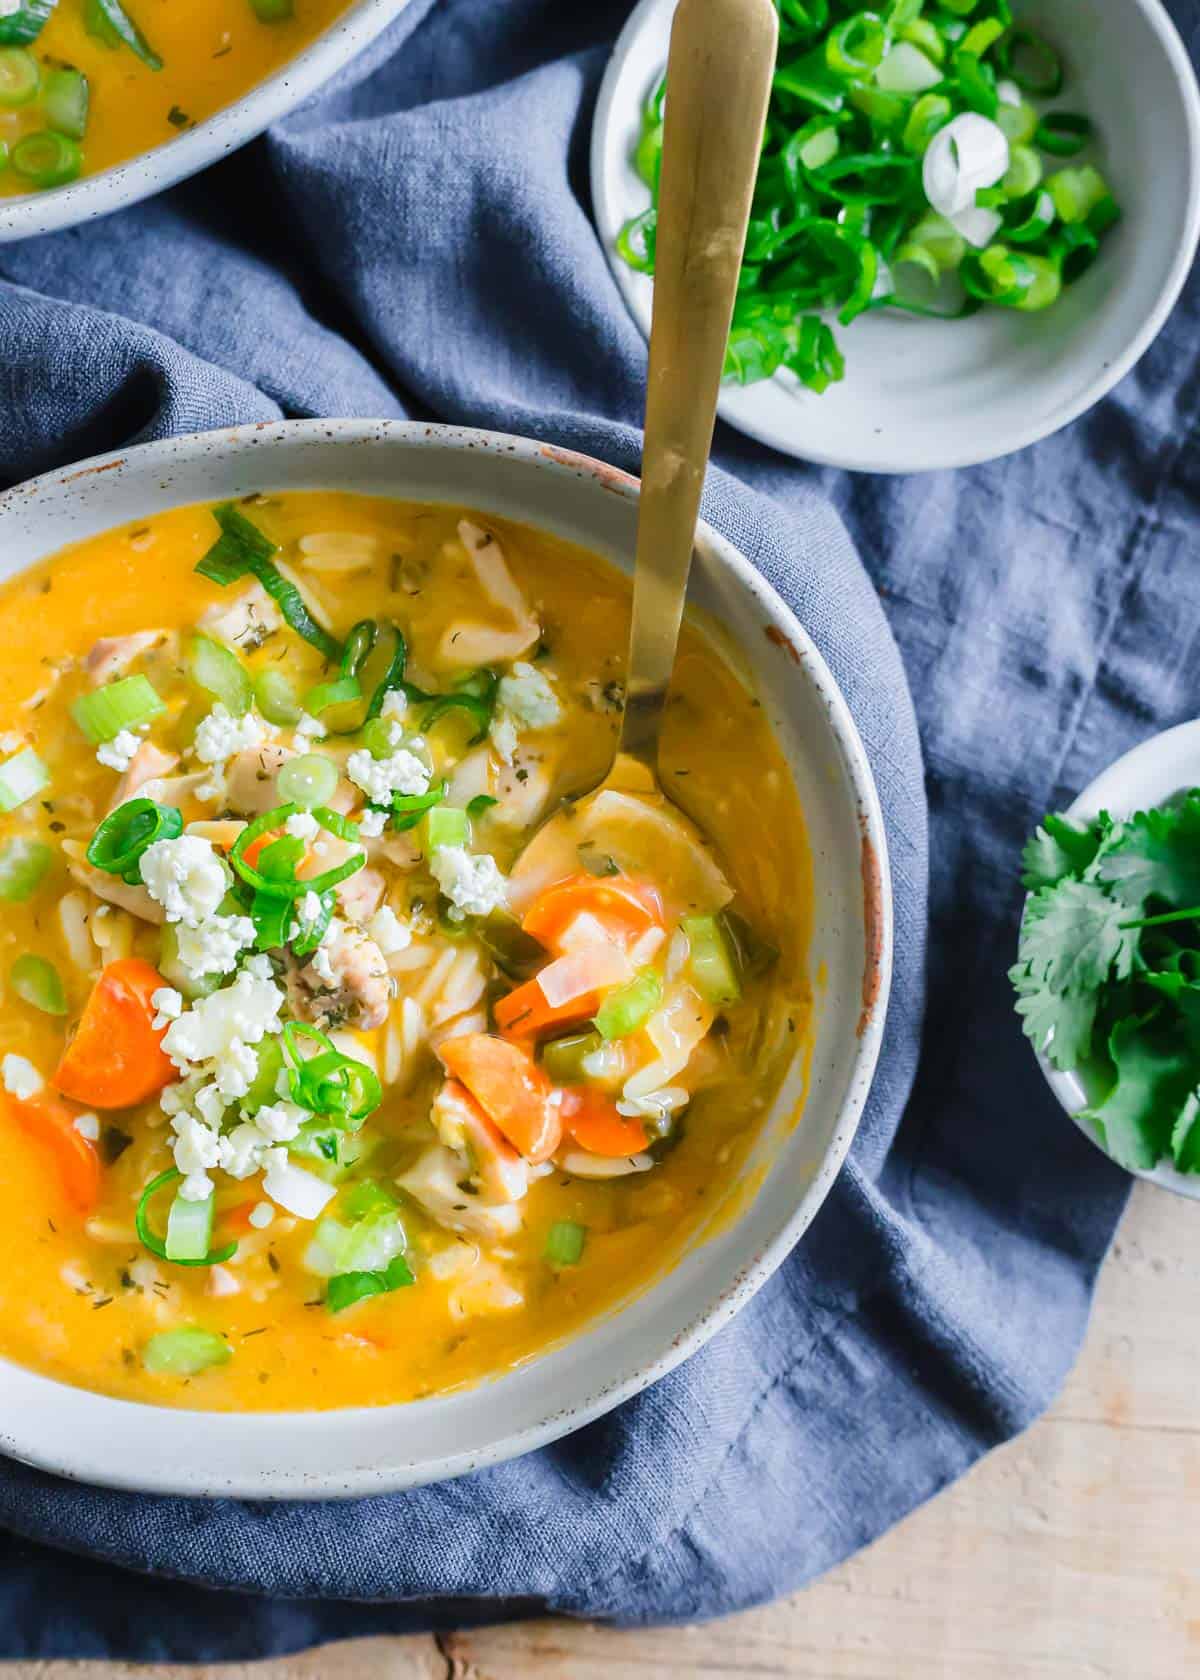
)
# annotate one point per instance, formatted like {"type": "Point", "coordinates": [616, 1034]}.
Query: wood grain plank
{"type": "Point", "coordinates": [1063, 1556]}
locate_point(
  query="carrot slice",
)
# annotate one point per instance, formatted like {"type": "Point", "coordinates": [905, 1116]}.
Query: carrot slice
{"type": "Point", "coordinates": [510, 1088]}
{"type": "Point", "coordinates": [622, 905]}
{"type": "Point", "coordinates": [593, 1121]}
{"type": "Point", "coordinates": [116, 1058]}
{"type": "Point", "coordinates": [50, 1122]}
{"type": "Point", "coordinates": [524, 1013]}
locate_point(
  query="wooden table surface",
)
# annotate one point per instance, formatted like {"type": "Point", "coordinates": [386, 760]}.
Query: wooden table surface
{"type": "Point", "coordinates": [1070, 1554]}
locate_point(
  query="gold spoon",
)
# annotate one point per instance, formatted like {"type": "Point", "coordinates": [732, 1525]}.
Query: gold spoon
{"type": "Point", "coordinates": [718, 82]}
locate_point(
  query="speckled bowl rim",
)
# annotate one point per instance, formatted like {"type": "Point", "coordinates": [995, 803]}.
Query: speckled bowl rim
{"type": "Point", "coordinates": [70, 1431]}
{"type": "Point", "coordinates": [225, 131]}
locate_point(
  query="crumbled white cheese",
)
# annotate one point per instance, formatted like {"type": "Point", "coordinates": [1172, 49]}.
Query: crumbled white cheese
{"type": "Point", "coordinates": [220, 735]}
{"type": "Point", "coordinates": [261, 1216]}
{"type": "Point", "coordinates": [527, 694]}
{"type": "Point", "coordinates": [168, 1004]}
{"type": "Point", "coordinates": [322, 967]}
{"type": "Point", "coordinates": [242, 1151]}
{"type": "Point", "coordinates": [401, 772]}
{"type": "Point", "coordinates": [210, 1104]}
{"type": "Point", "coordinates": [503, 733]}
{"type": "Point", "coordinates": [303, 825]}
{"type": "Point", "coordinates": [221, 1281]}
{"type": "Point", "coordinates": [372, 824]}
{"type": "Point", "coordinates": [119, 753]}
{"type": "Point", "coordinates": [21, 1079]}
{"type": "Point", "coordinates": [474, 885]}
{"type": "Point", "coordinates": [236, 1070]}
{"type": "Point", "coordinates": [389, 932]}
{"type": "Point", "coordinates": [308, 729]}
{"type": "Point", "coordinates": [246, 1010]}
{"type": "Point", "coordinates": [196, 1187]}
{"type": "Point", "coordinates": [260, 966]}
{"type": "Point", "coordinates": [211, 792]}
{"type": "Point", "coordinates": [197, 1148]}
{"type": "Point", "coordinates": [310, 908]}
{"type": "Point", "coordinates": [10, 741]}
{"type": "Point", "coordinates": [213, 945]}
{"type": "Point", "coordinates": [88, 1126]}
{"type": "Point", "coordinates": [300, 1192]}
{"type": "Point", "coordinates": [280, 1122]}
{"type": "Point", "coordinates": [185, 876]}
{"type": "Point", "coordinates": [395, 703]}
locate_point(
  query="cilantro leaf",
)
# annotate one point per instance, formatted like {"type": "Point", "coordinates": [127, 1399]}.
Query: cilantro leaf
{"type": "Point", "coordinates": [1139, 1115]}
{"type": "Point", "coordinates": [1185, 1139]}
{"type": "Point", "coordinates": [1156, 854]}
{"type": "Point", "coordinates": [1058, 1024]}
{"type": "Point", "coordinates": [1060, 848]}
{"type": "Point", "coordinates": [1072, 939]}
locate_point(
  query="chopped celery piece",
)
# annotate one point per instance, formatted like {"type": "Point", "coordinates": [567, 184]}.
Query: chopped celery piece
{"type": "Point", "coordinates": [350, 1287]}
{"type": "Point", "coordinates": [629, 1007]}
{"type": "Point", "coordinates": [23, 864]}
{"type": "Point", "coordinates": [379, 736]}
{"type": "Point", "coordinates": [752, 954]}
{"type": "Point", "coordinates": [65, 102]}
{"type": "Point", "coordinates": [368, 1198]}
{"type": "Point", "coordinates": [21, 777]}
{"type": "Point", "coordinates": [565, 1242]}
{"type": "Point", "coordinates": [562, 1058]}
{"type": "Point", "coordinates": [276, 699]}
{"type": "Point", "coordinates": [710, 961]}
{"type": "Point", "coordinates": [19, 76]}
{"type": "Point", "coordinates": [307, 781]}
{"type": "Point", "coordinates": [264, 1087]}
{"type": "Point", "coordinates": [118, 705]}
{"type": "Point", "coordinates": [185, 1352]}
{"type": "Point", "coordinates": [189, 1228]}
{"type": "Point", "coordinates": [38, 983]}
{"type": "Point", "coordinates": [328, 1151]}
{"type": "Point", "coordinates": [219, 671]}
{"type": "Point", "coordinates": [446, 825]}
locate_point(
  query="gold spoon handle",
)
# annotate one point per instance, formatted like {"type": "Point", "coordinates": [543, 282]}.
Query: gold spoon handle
{"type": "Point", "coordinates": [718, 82]}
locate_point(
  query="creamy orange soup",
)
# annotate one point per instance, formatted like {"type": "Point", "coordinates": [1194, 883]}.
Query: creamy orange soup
{"type": "Point", "coordinates": [319, 1087]}
{"type": "Point", "coordinates": [82, 99]}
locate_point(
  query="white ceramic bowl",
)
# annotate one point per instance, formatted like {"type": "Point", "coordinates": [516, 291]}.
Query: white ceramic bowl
{"type": "Point", "coordinates": [1164, 765]}
{"type": "Point", "coordinates": [922, 394]}
{"type": "Point", "coordinates": [186, 154]}
{"type": "Point", "coordinates": [323, 1455]}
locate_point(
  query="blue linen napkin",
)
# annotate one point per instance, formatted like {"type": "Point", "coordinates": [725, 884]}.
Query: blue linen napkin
{"type": "Point", "coordinates": [417, 241]}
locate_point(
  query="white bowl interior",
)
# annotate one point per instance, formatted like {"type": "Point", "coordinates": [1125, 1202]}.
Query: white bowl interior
{"type": "Point", "coordinates": [119, 1443]}
{"type": "Point", "coordinates": [921, 394]}
{"type": "Point", "coordinates": [1164, 765]}
{"type": "Point", "coordinates": [187, 153]}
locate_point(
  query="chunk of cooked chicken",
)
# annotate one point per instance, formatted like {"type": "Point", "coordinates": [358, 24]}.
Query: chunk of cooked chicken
{"type": "Point", "coordinates": [112, 656]}
{"type": "Point", "coordinates": [111, 888]}
{"type": "Point", "coordinates": [252, 779]}
{"type": "Point", "coordinates": [361, 894]}
{"type": "Point", "coordinates": [346, 983]}
{"type": "Point", "coordinates": [148, 764]}
{"type": "Point", "coordinates": [469, 642]}
{"type": "Point", "coordinates": [245, 622]}
{"type": "Point", "coordinates": [436, 1183]}
{"type": "Point", "coordinates": [501, 1173]}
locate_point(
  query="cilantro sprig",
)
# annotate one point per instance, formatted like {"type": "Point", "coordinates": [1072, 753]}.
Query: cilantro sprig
{"type": "Point", "coordinates": [1108, 973]}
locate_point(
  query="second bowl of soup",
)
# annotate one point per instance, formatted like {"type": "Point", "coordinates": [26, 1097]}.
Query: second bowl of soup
{"type": "Point", "coordinates": [317, 1093]}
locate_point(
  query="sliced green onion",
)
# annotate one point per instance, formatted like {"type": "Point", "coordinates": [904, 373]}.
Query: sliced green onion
{"type": "Point", "coordinates": [124, 704]}
{"type": "Point", "coordinates": [39, 984]}
{"type": "Point", "coordinates": [273, 11]}
{"type": "Point", "coordinates": [264, 1087]}
{"type": "Point", "coordinates": [328, 1083]}
{"type": "Point", "coordinates": [393, 677]}
{"type": "Point", "coordinates": [309, 780]}
{"type": "Point", "coordinates": [276, 699]}
{"type": "Point", "coordinates": [710, 961]}
{"type": "Point", "coordinates": [1034, 223]}
{"type": "Point", "coordinates": [635, 242]}
{"type": "Point", "coordinates": [47, 159]}
{"type": "Point", "coordinates": [155, 1243]}
{"type": "Point", "coordinates": [906, 69]}
{"type": "Point", "coordinates": [20, 77]}
{"type": "Point", "coordinates": [347, 1288]}
{"type": "Point", "coordinates": [312, 933]}
{"type": "Point", "coordinates": [379, 737]}
{"type": "Point", "coordinates": [117, 845]}
{"type": "Point", "coordinates": [563, 1058]}
{"type": "Point", "coordinates": [976, 85]}
{"type": "Point", "coordinates": [65, 102]}
{"type": "Point", "coordinates": [119, 24]}
{"type": "Point", "coordinates": [185, 1352]}
{"type": "Point", "coordinates": [925, 35]}
{"type": "Point", "coordinates": [1063, 133]}
{"type": "Point", "coordinates": [340, 692]}
{"type": "Point", "coordinates": [856, 46]}
{"type": "Point", "coordinates": [189, 1228]}
{"type": "Point", "coordinates": [241, 550]}
{"type": "Point", "coordinates": [1076, 192]}
{"type": "Point", "coordinates": [219, 671]}
{"type": "Point", "coordinates": [23, 866]}
{"type": "Point", "coordinates": [446, 825]}
{"type": "Point", "coordinates": [478, 706]}
{"type": "Point", "coordinates": [929, 113]}
{"type": "Point", "coordinates": [981, 36]}
{"type": "Point", "coordinates": [1024, 172]}
{"type": "Point", "coordinates": [565, 1242]}
{"type": "Point", "coordinates": [21, 777]}
{"type": "Point", "coordinates": [482, 802]}
{"type": "Point", "coordinates": [1031, 62]}
{"type": "Point", "coordinates": [255, 877]}
{"type": "Point", "coordinates": [18, 28]}
{"type": "Point", "coordinates": [629, 1007]}
{"type": "Point", "coordinates": [1018, 122]}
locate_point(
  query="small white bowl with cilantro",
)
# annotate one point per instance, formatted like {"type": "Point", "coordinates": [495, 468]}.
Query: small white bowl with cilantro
{"type": "Point", "coordinates": [1108, 969]}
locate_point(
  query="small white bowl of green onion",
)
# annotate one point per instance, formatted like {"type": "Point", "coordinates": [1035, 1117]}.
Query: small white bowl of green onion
{"type": "Point", "coordinates": [971, 218]}
{"type": "Point", "coordinates": [1107, 976]}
